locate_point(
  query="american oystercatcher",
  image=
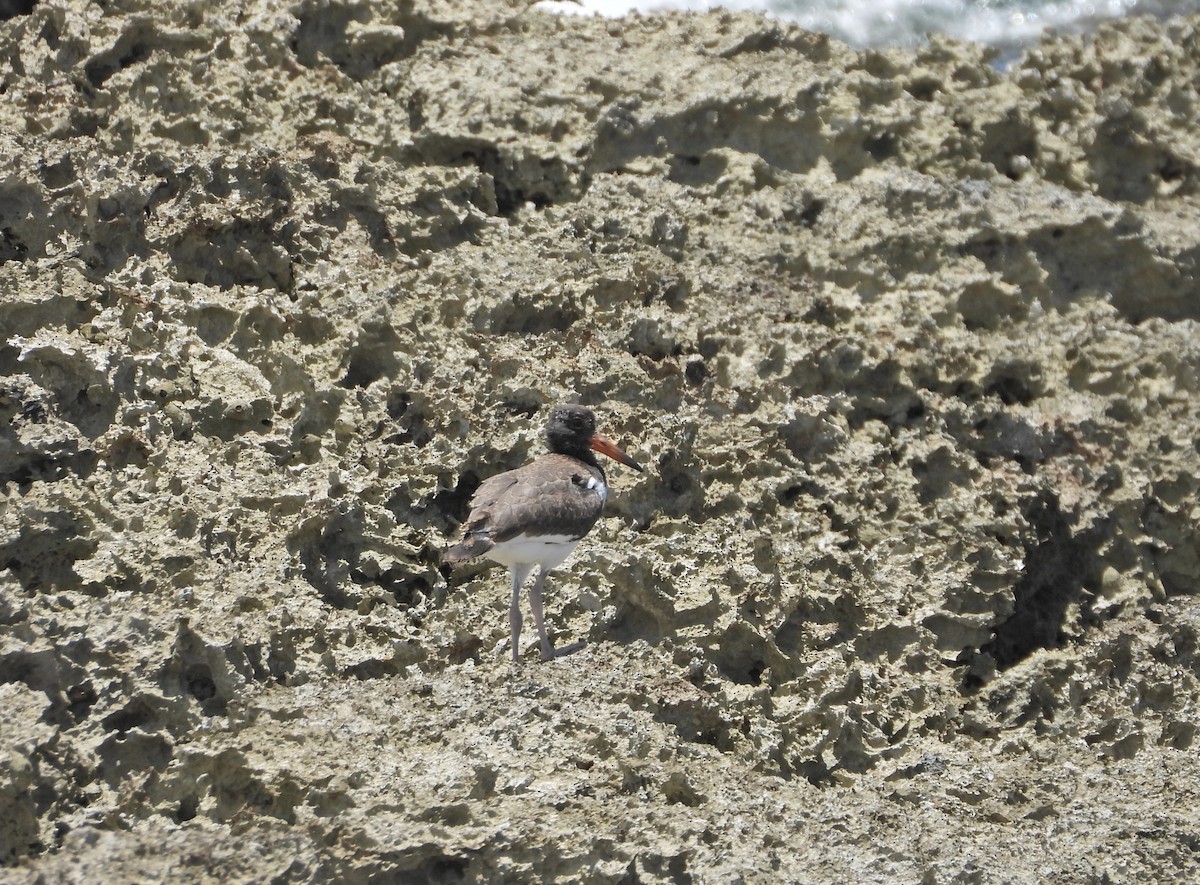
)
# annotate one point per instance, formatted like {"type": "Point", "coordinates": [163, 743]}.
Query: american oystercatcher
{"type": "Point", "coordinates": [537, 514]}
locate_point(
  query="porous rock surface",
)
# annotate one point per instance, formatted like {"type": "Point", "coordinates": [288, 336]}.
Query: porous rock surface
{"type": "Point", "coordinates": [908, 344]}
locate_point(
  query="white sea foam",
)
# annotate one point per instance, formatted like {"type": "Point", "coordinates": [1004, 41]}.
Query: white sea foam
{"type": "Point", "coordinates": [1007, 24]}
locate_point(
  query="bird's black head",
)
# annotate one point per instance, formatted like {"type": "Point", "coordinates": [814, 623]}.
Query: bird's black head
{"type": "Point", "coordinates": [570, 429]}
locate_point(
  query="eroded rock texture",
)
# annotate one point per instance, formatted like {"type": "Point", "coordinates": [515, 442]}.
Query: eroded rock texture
{"type": "Point", "coordinates": [909, 345]}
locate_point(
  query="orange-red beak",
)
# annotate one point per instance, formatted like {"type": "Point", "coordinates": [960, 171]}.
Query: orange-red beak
{"type": "Point", "coordinates": [605, 447]}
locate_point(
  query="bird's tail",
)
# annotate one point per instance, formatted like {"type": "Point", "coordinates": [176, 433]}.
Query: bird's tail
{"type": "Point", "coordinates": [474, 544]}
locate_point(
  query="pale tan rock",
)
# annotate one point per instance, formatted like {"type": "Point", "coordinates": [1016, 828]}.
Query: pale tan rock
{"type": "Point", "coordinates": [908, 345]}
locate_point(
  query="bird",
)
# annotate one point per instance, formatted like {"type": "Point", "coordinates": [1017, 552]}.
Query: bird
{"type": "Point", "coordinates": [537, 514]}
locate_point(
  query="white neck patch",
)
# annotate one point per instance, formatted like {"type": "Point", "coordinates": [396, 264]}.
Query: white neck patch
{"type": "Point", "coordinates": [599, 486]}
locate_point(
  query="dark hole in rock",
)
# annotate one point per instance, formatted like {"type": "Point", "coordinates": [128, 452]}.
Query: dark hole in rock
{"type": "Point", "coordinates": [815, 772]}
{"type": "Point", "coordinates": [526, 407]}
{"type": "Point", "coordinates": [188, 806]}
{"type": "Point", "coordinates": [1172, 169]}
{"type": "Point", "coordinates": [1057, 565]}
{"type": "Point", "coordinates": [108, 208]}
{"type": "Point", "coordinates": [740, 656]}
{"type": "Point", "coordinates": [136, 714]}
{"type": "Point", "coordinates": [696, 372]}
{"type": "Point", "coordinates": [810, 214]}
{"type": "Point", "coordinates": [363, 370]}
{"type": "Point", "coordinates": [80, 699]}
{"type": "Point", "coordinates": [374, 669]}
{"type": "Point", "coordinates": [321, 33]}
{"type": "Point", "coordinates": [373, 358]}
{"type": "Point", "coordinates": [1011, 390]}
{"type": "Point", "coordinates": [446, 869]}
{"type": "Point", "coordinates": [924, 88]}
{"type": "Point", "coordinates": [13, 8]}
{"type": "Point", "coordinates": [454, 503]}
{"type": "Point", "coordinates": [398, 402]}
{"type": "Point", "coordinates": [509, 199]}
{"type": "Point", "coordinates": [881, 147]}
{"type": "Point", "coordinates": [44, 558]}
{"type": "Point", "coordinates": [787, 496]}
{"type": "Point", "coordinates": [100, 69]}
{"type": "Point", "coordinates": [742, 672]}
{"type": "Point", "coordinates": [11, 247]}
{"type": "Point", "coordinates": [199, 681]}
{"type": "Point", "coordinates": [825, 313]}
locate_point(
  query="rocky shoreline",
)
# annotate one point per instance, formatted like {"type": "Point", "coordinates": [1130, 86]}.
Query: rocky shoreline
{"type": "Point", "coordinates": [907, 344]}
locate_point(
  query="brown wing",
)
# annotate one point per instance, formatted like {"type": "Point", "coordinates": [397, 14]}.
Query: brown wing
{"type": "Point", "coordinates": [555, 495]}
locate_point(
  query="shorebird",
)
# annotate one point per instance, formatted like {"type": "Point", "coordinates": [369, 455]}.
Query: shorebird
{"type": "Point", "coordinates": [536, 515]}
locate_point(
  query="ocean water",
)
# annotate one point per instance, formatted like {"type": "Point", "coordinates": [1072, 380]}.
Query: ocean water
{"type": "Point", "coordinates": [1008, 25]}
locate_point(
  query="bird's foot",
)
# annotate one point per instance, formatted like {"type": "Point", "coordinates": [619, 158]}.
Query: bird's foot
{"type": "Point", "coordinates": [549, 653]}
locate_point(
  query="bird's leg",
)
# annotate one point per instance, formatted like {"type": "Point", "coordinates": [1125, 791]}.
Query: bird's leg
{"type": "Point", "coordinates": [535, 603]}
{"type": "Point", "coordinates": [519, 573]}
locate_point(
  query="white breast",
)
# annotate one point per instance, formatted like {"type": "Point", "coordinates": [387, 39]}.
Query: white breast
{"type": "Point", "coordinates": [547, 550]}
